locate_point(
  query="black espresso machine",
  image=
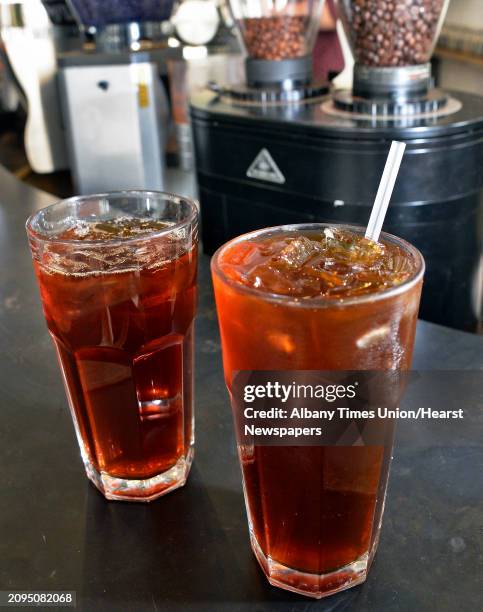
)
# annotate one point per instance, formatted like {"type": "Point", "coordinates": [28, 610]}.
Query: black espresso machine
{"type": "Point", "coordinates": [279, 150]}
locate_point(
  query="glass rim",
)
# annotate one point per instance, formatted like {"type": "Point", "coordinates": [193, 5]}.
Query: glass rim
{"type": "Point", "coordinates": [318, 302]}
{"type": "Point", "coordinates": [191, 217]}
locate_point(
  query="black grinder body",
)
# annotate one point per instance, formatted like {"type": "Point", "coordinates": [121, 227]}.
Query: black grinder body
{"type": "Point", "coordinates": [265, 166]}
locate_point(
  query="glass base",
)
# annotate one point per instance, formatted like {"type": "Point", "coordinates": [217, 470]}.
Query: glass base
{"type": "Point", "coordinates": [146, 490]}
{"type": "Point", "coordinates": [312, 585]}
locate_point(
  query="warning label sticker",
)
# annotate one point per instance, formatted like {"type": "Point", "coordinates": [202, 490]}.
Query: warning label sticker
{"type": "Point", "coordinates": [264, 168]}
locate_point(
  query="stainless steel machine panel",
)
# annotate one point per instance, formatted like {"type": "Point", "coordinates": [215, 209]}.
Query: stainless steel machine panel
{"type": "Point", "coordinates": [115, 116]}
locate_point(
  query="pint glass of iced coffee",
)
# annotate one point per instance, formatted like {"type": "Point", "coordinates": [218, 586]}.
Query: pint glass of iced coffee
{"type": "Point", "coordinates": [315, 297]}
{"type": "Point", "coordinates": [117, 277]}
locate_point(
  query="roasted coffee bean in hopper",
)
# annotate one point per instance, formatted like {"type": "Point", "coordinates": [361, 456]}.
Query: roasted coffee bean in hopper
{"type": "Point", "coordinates": [393, 32]}
{"type": "Point", "coordinates": [275, 38]}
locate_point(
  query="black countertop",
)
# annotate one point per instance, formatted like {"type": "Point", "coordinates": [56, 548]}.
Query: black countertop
{"type": "Point", "coordinates": [190, 549]}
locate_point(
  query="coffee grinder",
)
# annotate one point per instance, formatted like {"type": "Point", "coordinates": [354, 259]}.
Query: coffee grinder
{"type": "Point", "coordinates": [306, 159]}
{"type": "Point", "coordinates": [115, 106]}
{"type": "Point", "coordinates": [278, 40]}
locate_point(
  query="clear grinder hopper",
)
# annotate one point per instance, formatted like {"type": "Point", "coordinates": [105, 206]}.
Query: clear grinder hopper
{"type": "Point", "coordinates": [278, 37]}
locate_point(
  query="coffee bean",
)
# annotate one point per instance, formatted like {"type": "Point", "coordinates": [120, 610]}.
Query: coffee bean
{"type": "Point", "coordinates": [392, 32]}
{"type": "Point", "coordinates": [275, 38]}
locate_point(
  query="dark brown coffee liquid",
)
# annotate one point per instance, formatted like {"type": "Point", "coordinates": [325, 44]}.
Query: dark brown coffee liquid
{"type": "Point", "coordinates": [124, 337]}
{"type": "Point", "coordinates": [312, 508]}
{"type": "Point", "coordinates": [315, 509]}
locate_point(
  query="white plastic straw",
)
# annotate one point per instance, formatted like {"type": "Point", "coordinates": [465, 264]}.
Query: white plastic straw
{"type": "Point", "coordinates": [385, 190]}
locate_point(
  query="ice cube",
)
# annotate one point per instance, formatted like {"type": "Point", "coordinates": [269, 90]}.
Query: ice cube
{"type": "Point", "coordinates": [242, 254]}
{"type": "Point", "coordinates": [298, 251]}
{"type": "Point", "coordinates": [328, 278]}
{"type": "Point", "coordinates": [398, 264]}
{"type": "Point", "coordinates": [81, 229]}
